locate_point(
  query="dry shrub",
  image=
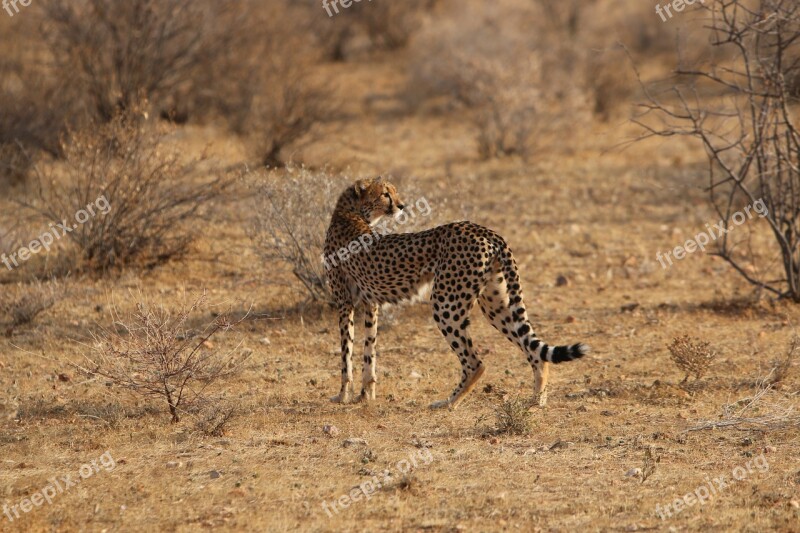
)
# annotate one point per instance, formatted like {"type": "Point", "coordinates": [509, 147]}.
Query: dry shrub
{"type": "Point", "coordinates": [116, 51]}
{"type": "Point", "coordinates": [520, 89]}
{"type": "Point", "coordinates": [276, 97]}
{"type": "Point", "coordinates": [781, 369]}
{"type": "Point", "coordinates": [34, 105]}
{"type": "Point", "coordinates": [649, 463]}
{"type": "Point", "coordinates": [388, 25]}
{"type": "Point", "coordinates": [692, 356]}
{"type": "Point", "coordinates": [155, 352]}
{"type": "Point", "coordinates": [391, 24]}
{"type": "Point", "coordinates": [765, 410]}
{"type": "Point", "coordinates": [293, 210]}
{"type": "Point", "coordinates": [513, 416]}
{"type": "Point", "coordinates": [157, 199]}
{"type": "Point", "coordinates": [23, 302]}
{"type": "Point", "coordinates": [214, 419]}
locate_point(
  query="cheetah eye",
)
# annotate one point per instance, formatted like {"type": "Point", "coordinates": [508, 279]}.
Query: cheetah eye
{"type": "Point", "coordinates": [387, 195]}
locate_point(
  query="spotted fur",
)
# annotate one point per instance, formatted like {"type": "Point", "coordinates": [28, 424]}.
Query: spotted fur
{"type": "Point", "coordinates": [466, 263]}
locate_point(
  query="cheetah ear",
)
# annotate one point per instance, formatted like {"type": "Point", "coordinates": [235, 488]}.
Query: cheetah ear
{"type": "Point", "coordinates": [361, 186]}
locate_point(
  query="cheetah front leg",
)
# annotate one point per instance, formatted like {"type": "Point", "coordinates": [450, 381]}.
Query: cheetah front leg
{"type": "Point", "coordinates": [368, 375]}
{"type": "Point", "coordinates": [346, 330]}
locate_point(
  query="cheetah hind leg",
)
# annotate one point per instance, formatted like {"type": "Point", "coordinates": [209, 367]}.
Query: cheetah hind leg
{"type": "Point", "coordinates": [448, 318]}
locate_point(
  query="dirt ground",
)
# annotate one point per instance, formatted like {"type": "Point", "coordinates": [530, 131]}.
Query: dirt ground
{"type": "Point", "coordinates": [585, 209]}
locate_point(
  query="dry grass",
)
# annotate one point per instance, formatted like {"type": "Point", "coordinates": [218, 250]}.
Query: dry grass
{"type": "Point", "coordinates": [692, 356]}
{"type": "Point", "coordinates": [154, 201]}
{"type": "Point", "coordinates": [23, 302]}
{"type": "Point", "coordinates": [155, 352]}
{"type": "Point", "coordinates": [590, 214]}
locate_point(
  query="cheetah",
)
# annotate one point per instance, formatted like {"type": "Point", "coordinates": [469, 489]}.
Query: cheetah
{"type": "Point", "coordinates": [463, 263]}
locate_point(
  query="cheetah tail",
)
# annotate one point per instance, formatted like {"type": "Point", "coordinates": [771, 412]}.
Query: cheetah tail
{"type": "Point", "coordinates": [561, 354]}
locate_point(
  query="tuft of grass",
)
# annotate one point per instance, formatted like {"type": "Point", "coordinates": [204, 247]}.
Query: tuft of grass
{"type": "Point", "coordinates": [649, 463]}
{"type": "Point", "coordinates": [23, 302]}
{"type": "Point", "coordinates": [692, 356]}
{"type": "Point", "coordinates": [513, 416]}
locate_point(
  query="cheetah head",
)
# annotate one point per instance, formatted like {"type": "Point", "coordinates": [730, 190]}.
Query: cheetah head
{"type": "Point", "coordinates": [376, 198]}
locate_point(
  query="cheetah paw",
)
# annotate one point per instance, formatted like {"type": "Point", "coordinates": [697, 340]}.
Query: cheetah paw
{"type": "Point", "coordinates": [339, 398]}
{"type": "Point", "coordinates": [440, 404]}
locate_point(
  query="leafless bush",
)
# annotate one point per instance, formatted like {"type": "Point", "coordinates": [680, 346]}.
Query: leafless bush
{"type": "Point", "coordinates": [154, 352]}
{"type": "Point", "coordinates": [391, 24]}
{"type": "Point", "coordinates": [765, 410]}
{"type": "Point", "coordinates": [293, 210]}
{"type": "Point", "coordinates": [513, 416]}
{"type": "Point", "coordinates": [35, 106]}
{"type": "Point", "coordinates": [23, 302]}
{"type": "Point", "coordinates": [157, 198]}
{"type": "Point", "coordinates": [751, 138]}
{"type": "Point", "coordinates": [692, 356]}
{"type": "Point", "coordinates": [516, 88]}
{"type": "Point", "coordinates": [214, 419]}
{"type": "Point", "coordinates": [649, 463]}
{"type": "Point", "coordinates": [388, 25]}
{"type": "Point", "coordinates": [283, 98]}
{"type": "Point", "coordinates": [782, 368]}
{"type": "Point", "coordinates": [117, 52]}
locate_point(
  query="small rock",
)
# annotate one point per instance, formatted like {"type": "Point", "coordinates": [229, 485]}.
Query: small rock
{"type": "Point", "coordinates": [63, 377]}
{"type": "Point", "coordinates": [582, 409]}
{"type": "Point", "coordinates": [634, 472]}
{"type": "Point", "coordinates": [629, 308]}
{"type": "Point", "coordinates": [173, 464]}
{"type": "Point", "coordinates": [571, 319]}
{"type": "Point", "coordinates": [330, 430]}
{"type": "Point", "coordinates": [795, 504]}
{"type": "Point", "coordinates": [607, 413]}
{"type": "Point", "coordinates": [353, 442]}
{"type": "Point", "coordinates": [265, 341]}
{"type": "Point", "coordinates": [770, 449]}
{"type": "Point", "coordinates": [561, 444]}
{"type": "Point", "coordinates": [214, 474]}
{"type": "Point", "coordinates": [493, 440]}
{"type": "Point", "coordinates": [415, 375]}
{"type": "Point", "coordinates": [562, 281]}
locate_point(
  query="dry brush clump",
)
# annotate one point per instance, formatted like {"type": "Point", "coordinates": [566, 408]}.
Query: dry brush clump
{"type": "Point", "coordinates": [157, 199]}
{"type": "Point", "coordinates": [519, 90]}
{"type": "Point", "coordinates": [765, 410]}
{"type": "Point", "coordinates": [751, 137]}
{"type": "Point", "coordinates": [513, 416]}
{"type": "Point", "coordinates": [692, 356]}
{"type": "Point", "coordinates": [387, 25]}
{"type": "Point", "coordinates": [293, 209]}
{"type": "Point", "coordinates": [153, 351]}
{"type": "Point", "coordinates": [23, 302]}
{"type": "Point", "coordinates": [115, 52]}
{"type": "Point", "coordinates": [35, 105]}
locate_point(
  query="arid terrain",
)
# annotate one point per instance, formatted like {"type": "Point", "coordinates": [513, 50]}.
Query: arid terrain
{"type": "Point", "coordinates": [585, 211]}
